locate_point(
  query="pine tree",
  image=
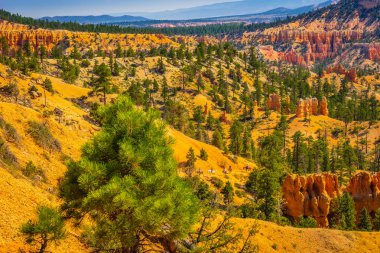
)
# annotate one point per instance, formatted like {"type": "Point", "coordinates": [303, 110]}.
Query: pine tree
{"type": "Point", "coordinates": [116, 69]}
{"type": "Point", "coordinates": [203, 155]}
{"type": "Point", "coordinates": [161, 69]}
{"type": "Point", "coordinates": [217, 139]}
{"type": "Point", "coordinates": [102, 82]}
{"type": "Point", "coordinates": [200, 83]}
{"type": "Point", "coordinates": [190, 163]}
{"type": "Point", "coordinates": [49, 227]}
{"type": "Point", "coordinates": [236, 140]}
{"type": "Point", "coordinates": [228, 193]}
{"type": "Point", "coordinates": [267, 194]}
{"type": "Point", "coordinates": [376, 221]}
{"type": "Point", "coordinates": [365, 220]}
{"type": "Point", "coordinates": [127, 184]}
{"type": "Point", "coordinates": [347, 211]}
{"type": "Point", "coordinates": [42, 53]}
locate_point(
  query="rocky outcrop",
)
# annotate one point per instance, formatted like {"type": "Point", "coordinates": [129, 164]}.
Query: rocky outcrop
{"type": "Point", "coordinates": [323, 107]}
{"type": "Point", "coordinates": [350, 74]}
{"type": "Point", "coordinates": [364, 187]}
{"type": "Point", "coordinates": [373, 51]}
{"type": "Point", "coordinates": [310, 196]}
{"type": "Point", "coordinates": [316, 45]}
{"type": "Point", "coordinates": [17, 35]}
{"type": "Point", "coordinates": [311, 106]}
{"type": "Point", "coordinates": [275, 103]}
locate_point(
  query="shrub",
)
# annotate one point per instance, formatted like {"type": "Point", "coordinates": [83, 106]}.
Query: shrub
{"type": "Point", "coordinates": [11, 90]}
{"type": "Point", "coordinates": [32, 170]}
{"type": "Point", "coordinates": [9, 131]}
{"type": "Point", "coordinates": [240, 194]}
{"type": "Point", "coordinates": [43, 137]}
{"type": "Point", "coordinates": [85, 63]}
{"type": "Point", "coordinates": [48, 227]}
{"type": "Point", "coordinates": [203, 155]}
{"type": "Point", "coordinates": [218, 183]}
{"type": "Point", "coordinates": [308, 222]}
{"type": "Point", "coordinates": [6, 155]}
{"type": "Point", "coordinates": [48, 85]}
{"type": "Point", "coordinates": [336, 132]}
{"type": "Point", "coordinates": [248, 210]}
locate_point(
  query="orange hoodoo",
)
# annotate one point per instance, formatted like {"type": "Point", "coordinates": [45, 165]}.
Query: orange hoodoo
{"type": "Point", "coordinates": [311, 106]}
{"type": "Point", "coordinates": [310, 196]}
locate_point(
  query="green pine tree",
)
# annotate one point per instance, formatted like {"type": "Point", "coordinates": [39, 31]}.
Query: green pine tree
{"type": "Point", "coordinates": [365, 220]}
{"type": "Point", "coordinates": [49, 227]}
{"type": "Point", "coordinates": [127, 184]}
{"type": "Point", "coordinates": [228, 193]}
{"type": "Point", "coordinates": [376, 221]}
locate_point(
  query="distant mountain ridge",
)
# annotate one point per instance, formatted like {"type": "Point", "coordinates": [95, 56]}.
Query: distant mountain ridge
{"type": "Point", "coordinates": [96, 19]}
{"type": "Point", "coordinates": [280, 12]}
{"type": "Point", "coordinates": [227, 9]}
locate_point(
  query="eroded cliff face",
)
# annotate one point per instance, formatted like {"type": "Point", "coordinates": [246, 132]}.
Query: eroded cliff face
{"type": "Point", "coordinates": [324, 34]}
{"type": "Point", "coordinates": [311, 195]}
{"type": "Point", "coordinates": [365, 190]}
{"type": "Point", "coordinates": [17, 35]}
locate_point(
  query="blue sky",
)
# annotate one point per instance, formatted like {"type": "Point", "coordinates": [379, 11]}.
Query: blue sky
{"type": "Point", "coordinates": [40, 8]}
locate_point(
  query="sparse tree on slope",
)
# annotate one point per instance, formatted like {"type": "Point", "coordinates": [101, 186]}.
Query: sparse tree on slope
{"type": "Point", "coordinates": [102, 82]}
{"type": "Point", "coordinates": [49, 227]}
{"type": "Point", "coordinates": [127, 182]}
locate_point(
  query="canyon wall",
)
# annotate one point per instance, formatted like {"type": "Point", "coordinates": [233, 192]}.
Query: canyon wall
{"type": "Point", "coordinates": [365, 190]}
{"type": "Point", "coordinates": [17, 35]}
{"type": "Point", "coordinates": [309, 46]}
{"type": "Point", "coordinates": [311, 195]}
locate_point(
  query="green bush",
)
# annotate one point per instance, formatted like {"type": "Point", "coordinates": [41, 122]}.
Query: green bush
{"type": "Point", "coordinates": [9, 131]}
{"type": "Point", "coordinates": [11, 89]}
{"type": "Point", "coordinates": [203, 155]}
{"type": "Point", "coordinates": [32, 170]}
{"type": "Point", "coordinates": [6, 156]}
{"type": "Point", "coordinates": [218, 183]}
{"type": "Point", "coordinates": [85, 63]}
{"type": "Point", "coordinates": [43, 137]}
{"type": "Point", "coordinates": [48, 85]}
{"type": "Point", "coordinates": [308, 222]}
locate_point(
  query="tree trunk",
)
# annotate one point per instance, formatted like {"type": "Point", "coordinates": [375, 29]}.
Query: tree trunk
{"type": "Point", "coordinates": [43, 246]}
{"type": "Point", "coordinates": [104, 96]}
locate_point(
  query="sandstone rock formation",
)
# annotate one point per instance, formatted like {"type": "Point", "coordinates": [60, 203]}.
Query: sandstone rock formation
{"type": "Point", "coordinates": [274, 102]}
{"type": "Point", "coordinates": [318, 45]}
{"type": "Point", "coordinates": [373, 52]}
{"type": "Point", "coordinates": [311, 106]}
{"type": "Point", "coordinates": [364, 187]}
{"type": "Point", "coordinates": [17, 35]}
{"type": "Point", "coordinates": [350, 74]}
{"type": "Point", "coordinates": [310, 196]}
{"type": "Point", "coordinates": [323, 107]}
